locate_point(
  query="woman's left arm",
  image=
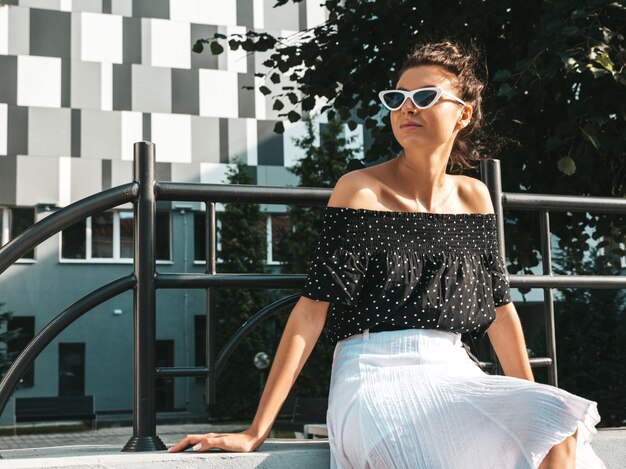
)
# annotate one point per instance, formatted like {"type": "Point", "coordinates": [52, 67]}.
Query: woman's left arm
{"type": "Point", "coordinates": [507, 338]}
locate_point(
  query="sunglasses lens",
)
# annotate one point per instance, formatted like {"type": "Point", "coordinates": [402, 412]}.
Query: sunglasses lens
{"type": "Point", "coordinates": [393, 99]}
{"type": "Point", "coordinates": [424, 98]}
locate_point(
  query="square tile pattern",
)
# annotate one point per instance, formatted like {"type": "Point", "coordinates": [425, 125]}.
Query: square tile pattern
{"type": "Point", "coordinates": [82, 81]}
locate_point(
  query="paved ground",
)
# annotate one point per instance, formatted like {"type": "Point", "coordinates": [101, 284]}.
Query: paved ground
{"type": "Point", "coordinates": [169, 434]}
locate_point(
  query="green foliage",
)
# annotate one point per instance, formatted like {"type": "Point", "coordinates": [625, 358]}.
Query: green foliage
{"type": "Point", "coordinates": [590, 336]}
{"type": "Point", "coordinates": [555, 77]}
{"type": "Point", "coordinates": [243, 249]}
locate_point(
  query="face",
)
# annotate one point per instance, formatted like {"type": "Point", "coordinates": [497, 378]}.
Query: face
{"type": "Point", "coordinates": [435, 126]}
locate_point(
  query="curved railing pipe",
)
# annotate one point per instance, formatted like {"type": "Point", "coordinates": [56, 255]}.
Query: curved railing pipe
{"type": "Point", "coordinates": [64, 218]}
{"type": "Point", "coordinates": [231, 345]}
{"type": "Point", "coordinates": [54, 328]}
{"type": "Point", "coordinates": [247, 326]}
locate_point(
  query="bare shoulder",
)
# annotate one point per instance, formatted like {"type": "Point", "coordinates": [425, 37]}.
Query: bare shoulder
{"type": "Point", "coordinates": [356, 189]}
{"type": "Point", "coordinates": [475, 194]}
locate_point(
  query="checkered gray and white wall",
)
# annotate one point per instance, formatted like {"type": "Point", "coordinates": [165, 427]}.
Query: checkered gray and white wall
{"type": "Point", "coordinates": [81, 80]}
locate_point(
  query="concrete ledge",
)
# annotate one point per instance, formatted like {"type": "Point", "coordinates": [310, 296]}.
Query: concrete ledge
{"type": "Point", "coordinates": [609, 445]}
{"type": "Point", "coordinates": [274, 453]}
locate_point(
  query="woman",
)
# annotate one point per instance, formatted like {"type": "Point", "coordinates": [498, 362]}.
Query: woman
{"type": "Point", "coordinates": [407, 261]}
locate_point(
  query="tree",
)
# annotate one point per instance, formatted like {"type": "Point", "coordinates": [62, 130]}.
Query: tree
{"type": "Point", "coordinates": [555, 77]}
{"type": "Point", "coordinates": [591, 332]}
{"type": "Point", "coordinates": [321, 166]}
{"type": "Point", "coordinates": [243, 249]}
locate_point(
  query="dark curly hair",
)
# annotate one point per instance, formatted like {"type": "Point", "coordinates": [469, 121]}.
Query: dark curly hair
{"type": "Point", "coordinates": [461, 61]}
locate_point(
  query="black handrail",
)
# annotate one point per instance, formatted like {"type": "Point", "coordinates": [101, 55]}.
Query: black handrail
{"type": "Point", "coordinates": [490, 173]}
{"type": "Point", "coordinates": [64, 218]}
{"type": "Point", "coordinates": [145, 191]}
{"type": "Point", "coordinates": [232, 343]}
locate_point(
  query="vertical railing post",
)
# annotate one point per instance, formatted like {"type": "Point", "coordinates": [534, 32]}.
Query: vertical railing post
{"type": "Point", "coordinates": [490, 175]}
{"type": "Point", "coordinates": [548, 296]}
{"type": "Point", "coordinates": [144, 304]}
{"type": "Point", "coordinates": [211, 335]}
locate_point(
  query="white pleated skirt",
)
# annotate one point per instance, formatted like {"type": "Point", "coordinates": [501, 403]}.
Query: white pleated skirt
{"type": "Point", "coordinates": [414, 399]}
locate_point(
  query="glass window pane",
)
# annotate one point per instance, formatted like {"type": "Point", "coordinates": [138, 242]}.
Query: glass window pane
{"type": "Point", "coordinates": [20, 219]}
{"type": "Point", "coordinates": [281, 224]}
{"type": "Point", "coordinates": [21, 331]}
{"type": "Point", "coordinates": [199, 236]}
{"type": "Point", "coordinates": [162, 241]}
{"type": "Point", "coordinates": [74, 241]}
{"type": "Point", "coordinates": [126, 235]}
{"type": "Point", "coordinates": [102, 235]}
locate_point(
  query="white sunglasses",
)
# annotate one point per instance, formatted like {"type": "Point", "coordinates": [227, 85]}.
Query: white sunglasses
{"type": "Point", "coordinates": [422, 98]}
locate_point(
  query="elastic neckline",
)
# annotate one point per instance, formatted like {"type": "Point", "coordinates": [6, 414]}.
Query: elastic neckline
{"type": "Point", "coordinates": [397, 213]}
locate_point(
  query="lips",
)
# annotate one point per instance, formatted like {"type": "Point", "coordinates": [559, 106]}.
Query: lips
{"type": "Point", "coordinates": [410, 125]}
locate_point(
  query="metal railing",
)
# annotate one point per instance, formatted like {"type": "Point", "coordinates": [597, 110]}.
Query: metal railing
{"type": "Point", "coordinates": [144, 192]}
{"type": "Point", "coordinates": [545, 203]}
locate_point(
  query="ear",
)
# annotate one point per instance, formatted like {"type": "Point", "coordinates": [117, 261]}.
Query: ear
{"type": "Point", "coordinates": [466, 116]}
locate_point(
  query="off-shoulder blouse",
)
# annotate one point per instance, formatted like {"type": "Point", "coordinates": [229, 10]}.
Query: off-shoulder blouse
{"type": "Point", "coordinates": [407, 270]}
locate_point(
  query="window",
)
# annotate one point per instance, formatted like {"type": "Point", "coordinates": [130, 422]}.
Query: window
{"type": "Point", "coordinates": [108, 236]}
{"type": "Point", "coordinates": [14, 220]}
{"type": "Point", "coordinates": [72, 369]}
{"type": "Point", "coordinates": [16, 332]}
{"type": "Point", "coordinates": [275, 226]}
{"type": "Point", "coordinates": [199, 333]}
{"type": "Point", "coordinates": [199, 236]}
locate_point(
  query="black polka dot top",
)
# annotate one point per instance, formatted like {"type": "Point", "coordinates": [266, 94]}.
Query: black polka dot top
{"type": "Point", "coordinates": [407, 270]}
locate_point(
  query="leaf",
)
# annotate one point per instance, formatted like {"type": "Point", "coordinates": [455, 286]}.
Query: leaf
{"type": "Point", "coordinates": [502, 75]}
{"type": "Point", "coordinates": [198, 47]}
{"type": "Point", "coordinates": [506, 90]}
{"type": "Point", "coordinates": [590, 134]}
{"type": "Point", "coordinates": [308, 103]}
{"type": "Point", "coordinates": [571, 31]}
{"type": "Point", "coordinates": [293, 116]}
{"type": "Point", "coordinates": [597, 72]}
{"type": "Point", "coordinates": [275, 78]}
{"type": "Point", "coordinates": [604, 61]}
{"type": "Point", "coordinates": [279, 127]}
{"type": "Point", "coordinates": [293, 98]}
{"type": "Point", "coordinates": [265, 90]}
{"type": "Point", "coordinates": [268, 63]}
{"type": "Point", "coordinates": [579, 14]}
{"type": "Point", "coordinates": [567, 166]}
{"type": "Point", "coordinates": [278, 105]}
{"type": "Point", "coordinates": [352, 125]}
{"type": "Point", "coordinates": [216, 48]}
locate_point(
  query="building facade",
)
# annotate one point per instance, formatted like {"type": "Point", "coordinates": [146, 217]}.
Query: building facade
{"type": "Point", "coordinates": [81, 81]}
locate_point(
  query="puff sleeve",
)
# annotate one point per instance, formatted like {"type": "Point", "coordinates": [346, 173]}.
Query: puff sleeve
{"type": "Point", "coordinates": [499, 280]}
{"type": "Point", "coordinates": [337, 271]}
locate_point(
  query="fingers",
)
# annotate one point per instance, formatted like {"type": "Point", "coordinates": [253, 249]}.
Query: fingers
{"type": "Point", "coordinates": [210, 440]}
{"type": "Point", "coordinates": [185, 443]}
{"type": "Point", "coordinates": [197, 443]}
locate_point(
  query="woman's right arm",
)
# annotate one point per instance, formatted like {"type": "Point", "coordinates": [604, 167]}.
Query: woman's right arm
{"type": "Point", "coordinates": [304, 326]}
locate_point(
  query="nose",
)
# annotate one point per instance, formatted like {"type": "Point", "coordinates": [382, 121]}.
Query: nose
{"type": "Point", "coordinates": [408, 107]}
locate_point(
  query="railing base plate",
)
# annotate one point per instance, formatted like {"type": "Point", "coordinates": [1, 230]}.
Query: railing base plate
{"type": "Point", "coordinates": [144, 443]}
